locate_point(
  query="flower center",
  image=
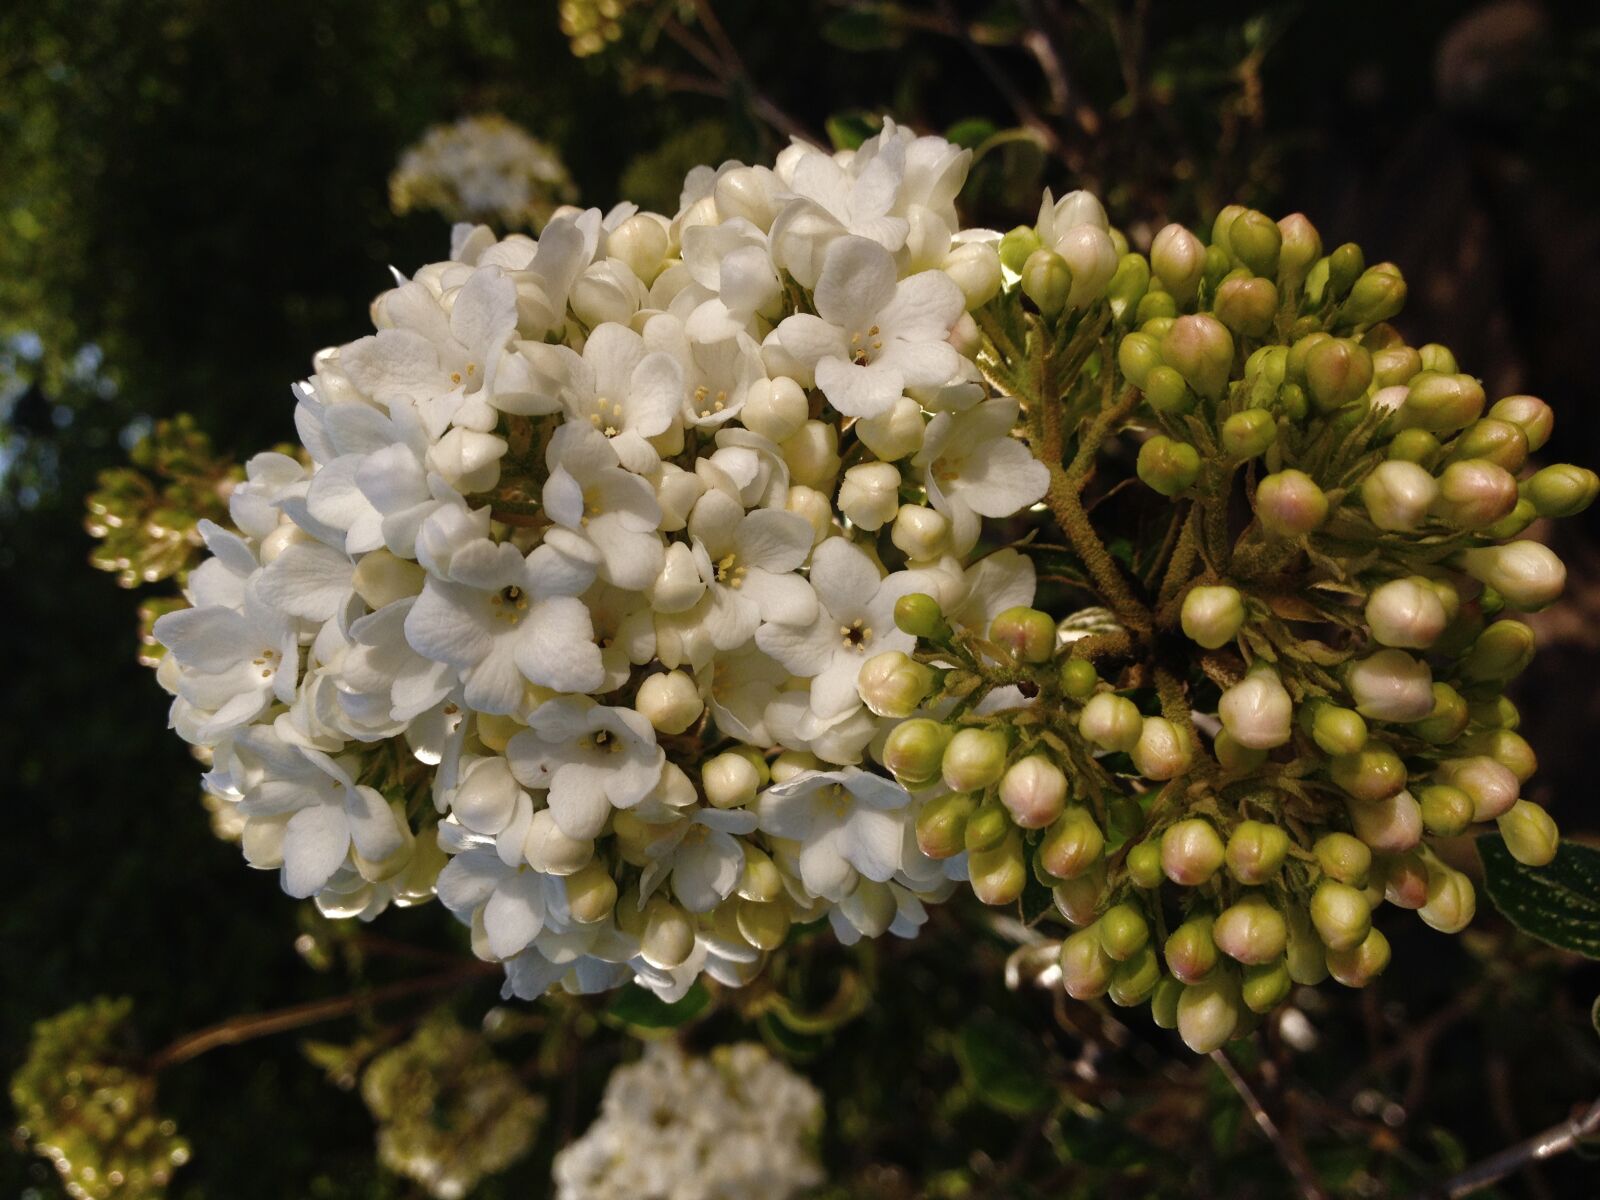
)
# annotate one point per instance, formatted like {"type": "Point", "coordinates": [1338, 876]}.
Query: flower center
{"type": "Point", "coordinates": [607, 416]}
{"type": "Point", "coordinates": [946, 470]}
{"type": "Point", "coordinates": [267, 660]}
{"type": "Point", "coordinates": [457, 376]}
{"type": "Point", "coordinates": [862, 346]}
{"type": "Point", "coordinates": [605, 741]}
{"type": "Point", "coordinates": [730, 571]}
{"type": "Point", "coordinates": [510, 604]}
{"type": "Point", "coordinates": [856, 636]}
{"type": "Point", "coordinates": [836, 800]}
{"type": "Point", "coordinates": [708, 404]}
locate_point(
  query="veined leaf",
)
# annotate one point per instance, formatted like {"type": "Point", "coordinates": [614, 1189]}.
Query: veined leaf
{"type": "Point", "coordinates": [1558, 903]}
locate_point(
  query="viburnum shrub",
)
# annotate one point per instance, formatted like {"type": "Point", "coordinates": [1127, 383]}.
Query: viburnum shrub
{"type": "Point", "coordinates": [649, 588]}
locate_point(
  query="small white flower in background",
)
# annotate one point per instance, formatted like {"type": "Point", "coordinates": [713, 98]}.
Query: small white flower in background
{"type": "Point", "coordinates": [737, 1123]}
{"type": "Point", "coordinates": [482, 168]}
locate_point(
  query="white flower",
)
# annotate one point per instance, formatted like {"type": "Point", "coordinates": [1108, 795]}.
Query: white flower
{"type": "Point", "coordinates": [874, 336]}
{"type": "Point", "coordinates": [515, 902]}
{"type": "Point", "coordinates": [591, 494]}
{"type": "Point", "coordinates": [855, 621]}
{"type": "Point", "coordinates": [746, 562]}
{"type": "Point", "coordinates": [621, 388]}
{"type": "Point", "coordinates": [846, 822]}
{"type": "Point", "coordinates": [972, 467]}
{"type": "Point", "coordinates": [716, 373]}
{"type": "Point", "coordinates": [592, 758]}
{"type": "Point", "coordinates": [702, 857]}
{"type": "Point", "coordinates": [503, 621]}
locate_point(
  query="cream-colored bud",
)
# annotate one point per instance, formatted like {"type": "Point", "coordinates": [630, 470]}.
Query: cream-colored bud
{"type": "Point", "coordinates": [921, 533]}
{"type": "Point", "coordinates": [1111, 722]}
{"type": "Point", "coordinates": [1406, 613]}
{"type": "Point", "coordinates": [668, 937]}
{"type": "Point", "coordinates": [1528, 575]}
{"type": "Point", "coordinates": [893, 434]}
{"type": "Point", "coordinates": [1034, 791]}
{"type": "Point", "coordinates": [1391, 685]}
{"type": "Point", "coordinates": [381, 578]}
{"type": "Point", "coordinates": [670, 701]}
{"type": "Point", "coordinates": [774, 408]}
{"type": "Point", "coordinates": [893, 684]}
{"type": "Point", "coordinates": [1257, 711]}
{"type": "Point", "coordinates": [640, 243]}
{"type": "Point", "coordinates": [1530, 833]}
{"type": "Point", "coordinates": [870, 494]}
{"type": "Point", "coordinates": [1092, 259]}
{"type": "Point", "coordinates": [1398, 494]}
{"type": "Point", "coordinates": [812, 454]}
{"type": "Point", "coordinates": [1212, 616]}
{"type": "Point", "coordinates": [975, 267]}
{"type": "Point", "coordinates": [679, 586]}
{"type": "Point", "coordinates": [1163, 750]}
{"type": "Point", "coordinates": [749, 193]}
{"type": "Point", "coordinates": [549, 850]}
{"type": "Point", "coordinates": [591, 893]}
{"type": "Point", "coordinates": [729, 780]}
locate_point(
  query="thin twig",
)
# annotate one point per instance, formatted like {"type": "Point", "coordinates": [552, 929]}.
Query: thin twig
{"type": "Point", "coordinates": [1558, 1139]}
{"type": "Point", "coordinates": [1291, 1153]}
{"type": "Point", "coordinates": [254, 1025]}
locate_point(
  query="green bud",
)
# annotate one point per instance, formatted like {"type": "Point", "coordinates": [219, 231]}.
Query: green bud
{"type": "Point", "coordinates": [1373, 773]}
{"type": "Point", "coordinates": [1290, 504]}
{"type": "Point", "coordinates": [1265, 985]}
{"type": "Point", "coordinates": [1016, 246]}
{"type": "Point", "coordinates": [1164, 1002]}
{"type": "Point", "coordinates": [999, 874]}
{"type": "Point", "coordinates": [1256, 241]}
{"type": "Point", "coordinates": [1529, 413]}
{"type": "Point", "coordinates": [1078, 678]}
{"type": "Point", "coordinates": [1190, 953]}
{"type": "Point", "coordinates": [1446, 811]}
{"type": "Point", "coordinates": [1047, 281]}
{"type": "Point", "coordinates": [1128, 286]}
{"type": "Point", "coordinates": [1251, 931]}
{"type": "Point", "coordinates": [1530, 834]}
{"type": "Point", "coordinates": [1562, 490]}
{"type": "Point", "coordinates": [1360, 964]}
{"type": "Point", "coordinates": [1111, 722]}
{"type": "Point", "coordinates": [1497, 441]}
{"type": "Point", "coordinates": [1154, 309]}
{"type": "Point", "coordinates": [1302, 246]}
{"type": "Point", "coordinates": [1306, 956]}
{"type": "Point", "coordinates": [1451, 899]}
{"type": "Point", "coordinates": [1500, 653]}
{"type": "Point", "coordinates": [1133, 980]}
{"type": "Point", "coordinates": [1394, 365]}
{"type": "Point", "coordinates": [1178, 259]}
{"type": "Point", "coordinates": [1200, 348]}
{"type": "Point", "coordinates": [1376, 296]}
{"type": "Point", "coordinates": [1338, 731]}
{"type": "Point", "coordinates": [915, 750]}
{"type": "Point", "coordinates": [1247, 306]}
{"type": "Point", "coordinates": [1345, 265]}
{"type": "Point", "coordinates": [1300, 351]}
{"type": "Point", "coordinates": [1510, 750]}
{"type": "Point", "coordinates": [1448, 718]}
{"type": "Point", "coordinates": [1137, 356]}
{"type": "Point", "coordinates": [1208, 1013]}
{"type": "Point", "coordinates": [1256, 851]}
{"type": "Point", "coordinates": [1033, 790]}
{"type": "Point", "coordinates": [1338, 371]}
{"type": "Point", "coordinates": [1440, 403]}
{"type": "Point", "coordinates": [1522, 514]}
{"type": "Point", "coordinates": [919, 615]}
{"type": "Point", "coordinates": [1123, 931]}
{"type": "Point", "coordinates": [1474, 494]}
{"type": "Point", "coordinates": [1077, 900]}
{"type": "Point", "coordinates": [1415, 446]}
{"type": "Point", "coordinates": [1221, 224]}
{"type": "Point", "coordinates": [1028, 634]}
{"type": "Point", "coordinates": [1168, 466]}
{"type": "Point", "coordinates": [1191, 852]}
{"type": "Point", "coordinates": [1166, 391]}
{"type": "Point", "coordinates": [942, 825]}
{"type": "Point", "coordinates": [1235, 756]}
{"type": "Point", "coordinates": [1085, 966]}
{"type": "Point", "coordinates": [1144, 865]}
{"type": "Point", "coordinates": [1249, 433]}
{"type": "Point", "coordinates": [1073, 845]}
{"type": "Point", "coordinates": [1341, 915]}
{"type": "Point", "coordinates": [1343, 858]}
{"type": "Point", "coordinates": [1438, 358]}
{"type": "Point", "coordinates": [987, 826]}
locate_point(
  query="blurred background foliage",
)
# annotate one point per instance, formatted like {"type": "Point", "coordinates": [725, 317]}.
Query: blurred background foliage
{"type": "Point", "coordinates": [193, 197]}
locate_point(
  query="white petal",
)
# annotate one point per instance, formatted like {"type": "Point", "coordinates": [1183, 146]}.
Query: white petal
{"type": "Point", "coordinates": [315, 843]}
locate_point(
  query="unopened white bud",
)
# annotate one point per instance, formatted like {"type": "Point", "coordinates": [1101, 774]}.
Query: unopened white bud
{"type": "Point", "coordinates": [1111, 722]}
{"type": "Point", "coordinates": [381, 578]}
{"type": "Point", "coordinates": [606, 291]}
{"type": "Point", "coordinates": [730, 780]}
{"type": "Point", "coordinates": [486, 798]}
{"type": "Point", "coordinates": [1163, 750]}
{"type": "Point", "coordinates": [895, 433]}
{"type": "Point", "coordinates": [679, 585]}
{"type": "Point", "coordinates": [1390, 685]}
{"type": "Point", "coordinates": [747, 192]}
{"type": "Point", "coordinates": [1257, 711]}
{"type": "Point", "coordinates": [640, 243]}
{"type": "Point", "coordinates": [975, 266]}
{"type": "Point", "coordinates": [1091, 257]}
{"type": "Point", "coordinates": [870, 494]}
{"type": "Point", "coordinates": [1034, 791]}
{"type": "Point", "coordinates": [670, 701]}
{"type": "Point", "coordinates": [1178, 260]}
{"type": "Point", "coordinates": [812, 454]}
{"type": "Point", "coordinates": [1398, 494]}
{"type": "Point", "coordinates": [893, 684]}
{"type": "Point", "coordinates": [1212, 616]}
{"type": "Point", "coordinates": [1407, 613]}
{"type": "Point", "coordinates": [811, 504]}
{"type": "Point", "coordinates": [921, 533]}
{"type": "Point", "coordinates": [1528, 575]}
{"type": "Point", "coordinates": [774, 408]}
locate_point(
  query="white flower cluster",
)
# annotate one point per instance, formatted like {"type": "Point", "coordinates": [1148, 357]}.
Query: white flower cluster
{"type": "Point", "coordinates": [481, 168]}
{"type": "Point", "coordinates": [564, 618]}
{"type": "Point", "coordinates": [729, 1127]}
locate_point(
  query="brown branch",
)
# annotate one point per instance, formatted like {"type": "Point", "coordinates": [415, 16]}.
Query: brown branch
{"type": "Point", "coordinates": [1558, 1139]}
{"type": "Point", "coordinates": [1291, 1153]}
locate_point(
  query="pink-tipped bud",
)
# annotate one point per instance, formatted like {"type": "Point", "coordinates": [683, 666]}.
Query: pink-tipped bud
{"type": "Point", "coordinates": [1085, 966]}
{"type": "Point", "coordinates": [1178, 259]}
{"type": "Point", "coordinates": [1407, 613]}
{"type": "Point", "coordinates": [1390, 685]}
{"type": "Point", "coordinates": [1390, 826]}
{"type": "Point", "coordinates": [1474, 494]}
{"type": "Point", "coordinates": [1358, 965]}
{"type": "Point", "coordinates": [1111, 722]}
{"type": "Point", "coordinates": [1257, 711]}
{"type": "Point", "coordinates": [1163, 751]}
{"type": "Point", "coordinates": [1290, 504]}
{"type": "Point", "coordinates": [1405, 880]}
{"type": "Point", "coordinates": [1200, 348]}
{"type": "Point", "coordinates": [1190, 952]}
{"type": "Point", "coordinates": [1251, 931]}
{"type": "Point", "coordinates": [1073, 845]}
{"type": "Point", "coordinates": [1491, 787]}
{"type": "Point", "coordinates": [1451, 899]}
{"type": "Point", "coordinates": [1531, 414]}
{"type": "Point", "coordinates": [1256, 851]}
{"type": "Point", "coordinates": [1034, 791]}
{"type": "Point", "coordinates": [1398, 494]}
{"type": "Point", "coordinates": [1341, 915]}
{"type": "Point", "coordinates": [1527, 575]}
{"type": "Point", "coordinates": [893, 684]}
{"type": "Point", "coordinates": [1191, 852]}
{"type": "Point", "coordinates": [1028, 634]}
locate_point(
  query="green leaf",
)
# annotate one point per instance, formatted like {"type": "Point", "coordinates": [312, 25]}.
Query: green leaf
{"type": "Point", "coordinates": [847, 130]}
{"type": "Point", "coordinates": [971, 133]}
{"type": "Point", "coordinates": [1000, 1063]}
{"type": "Point", "coordinates": [1558, 903]}
{"type": "Point", "coordinates": [635, 1008]}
